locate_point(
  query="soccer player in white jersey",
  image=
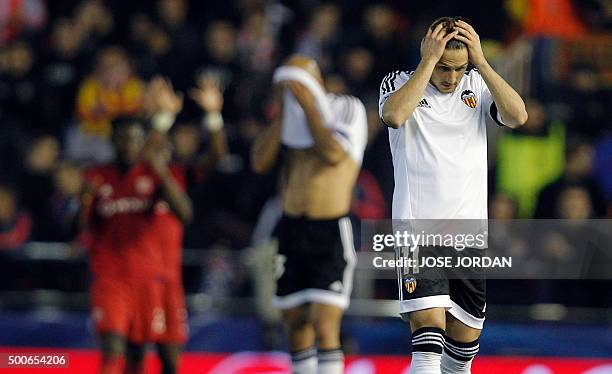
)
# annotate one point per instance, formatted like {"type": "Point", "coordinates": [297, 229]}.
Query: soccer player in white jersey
{"type": "Point", "coordinates": [315, 242]}
{"type": "Point", "coordinates": [437, 136]}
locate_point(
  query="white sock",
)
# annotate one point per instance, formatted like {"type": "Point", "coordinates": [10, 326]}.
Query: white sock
{"type": "Point", "coordinates": [331, 362]}
{"type": "Point", "coordinates": [304, 362]}
{"type": "Point", "coordinates": [457, 357]}
{"type": "Point", "coordinates": [427, 344]}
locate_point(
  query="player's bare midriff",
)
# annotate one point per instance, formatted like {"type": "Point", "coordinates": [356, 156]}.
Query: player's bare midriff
{"type": "Point", "coordinates": [316, 189]}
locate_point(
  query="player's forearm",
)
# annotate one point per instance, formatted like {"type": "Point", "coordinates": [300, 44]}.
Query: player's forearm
{"type": "Point", "coordinates": [509, 103]}
{"type": "Point", "coordinates": [217, 150]}
{"type": "Point", "coordinates": [218, 145]}
{"type": "Point", "coordinates": [266, 148]}
{"type": "Point", "coordinates": [325, 144]}
{"type": "Point", "coordinates": [177, 199]}
{"type": "Point", "coordinates": [402, 103]}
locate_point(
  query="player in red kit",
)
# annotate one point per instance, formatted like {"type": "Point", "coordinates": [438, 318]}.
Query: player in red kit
{"type": "Point", "coordinates": [118, 211]}
{"type": "Point", "coordinates": [169, 228]}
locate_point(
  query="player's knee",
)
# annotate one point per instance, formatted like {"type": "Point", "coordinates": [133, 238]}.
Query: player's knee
{"type": "Point", "coordinates": [460, 332]}
{"type": "Point", "coordinates": [433, 317]}
{"type": "Point", "coordinates": [112, 345]}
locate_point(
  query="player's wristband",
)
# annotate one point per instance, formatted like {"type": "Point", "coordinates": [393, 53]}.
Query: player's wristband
{"type": "Point", "coordinates": [213, 121]}
{"type": "Point", "coordinates": [162, 122]}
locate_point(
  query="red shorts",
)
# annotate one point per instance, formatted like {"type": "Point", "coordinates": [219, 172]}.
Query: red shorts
{"type": "Point", "coordinates": [129, 308]}
{"type": "Point", "coordinates": [175, 312]}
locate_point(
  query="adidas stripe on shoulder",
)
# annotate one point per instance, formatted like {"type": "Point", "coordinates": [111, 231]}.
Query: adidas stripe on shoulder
{"type": "Point", "coordinates": [389, 82]}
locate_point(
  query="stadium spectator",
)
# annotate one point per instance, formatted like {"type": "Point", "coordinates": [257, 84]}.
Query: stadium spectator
{"type": "Point", "coordinates": [502, 207]}
{"type": "Point", "coordinates": [357, 68]}
{"type": "Point", "coordinates": [61, 72]}
{"type": "Point", "coordinates": [381, 38]}
{"type": "Point", "coordinates": [322, 40]}
{"type": "Point", "coordinates": [574, 202]}
{"type": "Point", "coordinates": [94, 20]}
{"type": "Point", "coordinates": [529, 159]}
{"type": "Point", "coordinates": [15, 225]}
{"type": "Point", "coordinates": [587, 98]}
{"type": "Point", "coordinates": [18, 94]}
{"type": "Point", "coordinates": [111, 91]}
{"type": "Point", "coordinates": [21, 18]}
{"type": "Point", "coordinates": [184, 40]}
{"type": "Point", "coordinates": [545, 18]}
{"type": "Point", "coordinates": [36, 183]}
{"type": "Point", "coordinates": [255, 42]}
{"type": "Point", "coordinates": [578, 171]}
{"type": "Point", "coordinates": [220, 59]}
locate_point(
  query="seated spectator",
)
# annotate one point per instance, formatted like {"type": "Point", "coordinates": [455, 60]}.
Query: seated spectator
{"type": "Point", "coordinates": [15, 226]}
{"type": "Point", "coordinates": [112, 91]}
{"type": "Point", "coordinates": [578, 172]}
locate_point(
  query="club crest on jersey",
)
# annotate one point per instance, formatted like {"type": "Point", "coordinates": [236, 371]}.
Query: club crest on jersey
{"type": "Point", "coordinates": [469, 98]}
{"type": "Point", "coordinates": [410, 284]}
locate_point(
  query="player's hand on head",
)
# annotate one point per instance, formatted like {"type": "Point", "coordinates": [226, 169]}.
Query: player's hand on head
{"type": "Point", "coordinates": [468, 35]}
{"type": "Point", "coordinates": [434, 42]}
{"type": "Point", "coordinates": [208, 95]}
{"type": "Point", "coordinates": [164, 97]}
{"type": "Point", "coordinates": [304, 97]}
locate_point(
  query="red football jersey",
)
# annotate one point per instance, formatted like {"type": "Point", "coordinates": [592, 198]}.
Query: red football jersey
{"type": "Point", "coordinates": [169, 230]}
{"type": "Point", "coordinates": [124, 241]}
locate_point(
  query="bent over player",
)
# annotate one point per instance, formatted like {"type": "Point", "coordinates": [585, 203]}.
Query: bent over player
{"type": "Point", "coordinates": [437, 136]}
{"type": "Point", "coordinates": [316, 249]}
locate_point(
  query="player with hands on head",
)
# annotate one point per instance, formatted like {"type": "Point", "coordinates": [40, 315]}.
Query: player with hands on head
{"type": "Point", "coordinates": [446, 50]}
{"type": "Point", "coordinates": [437, 117]}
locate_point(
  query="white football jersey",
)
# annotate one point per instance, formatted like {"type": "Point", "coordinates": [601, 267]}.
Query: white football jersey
{"type": "Point", "coordinates": [440, 153]}
{"type": "Point", "coordinates": [350, 127]}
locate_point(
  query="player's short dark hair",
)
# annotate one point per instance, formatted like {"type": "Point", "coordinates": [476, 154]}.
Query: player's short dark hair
{"type": "Point", "coordinates": [449, 26]}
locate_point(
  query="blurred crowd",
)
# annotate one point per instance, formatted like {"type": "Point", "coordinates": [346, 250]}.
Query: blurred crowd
{"type": "Point", "coordinates": [68, 68]}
